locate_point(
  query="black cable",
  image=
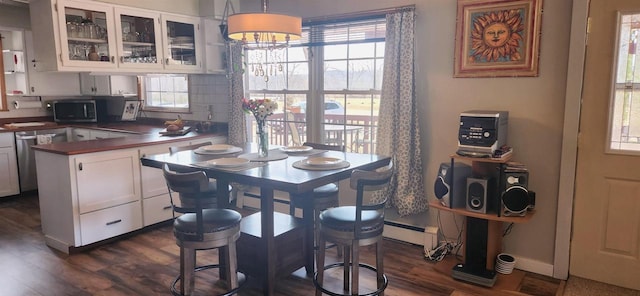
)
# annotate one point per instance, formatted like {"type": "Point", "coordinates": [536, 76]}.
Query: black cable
{"type": "Point", "coordinates": [507, 230]}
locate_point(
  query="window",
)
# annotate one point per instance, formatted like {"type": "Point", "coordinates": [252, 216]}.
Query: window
{"type": "Point", "coordinates": [327, 85]}
{"type": "Point", "coordinates": [166, 93]}
{"type": "Point", "coordinates": [625, 118]}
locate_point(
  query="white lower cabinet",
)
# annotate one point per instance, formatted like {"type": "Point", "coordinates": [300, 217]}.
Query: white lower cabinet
{"type": "Point", "coordinates": [8, 165]}
{"type": "Point", "coordinates": [155, 194]}
{"type": "Point", "coordinates": [156, 209]}
{"type": "Point", "coordinates": [110, 222]}
{"type": "Point", "coordinates": [107, 179]}
{"type": "Point", "coordinates": [88, 197]}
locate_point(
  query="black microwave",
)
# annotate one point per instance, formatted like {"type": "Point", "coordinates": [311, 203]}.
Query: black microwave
{"type": "Point", "coordinates": [80, 111]}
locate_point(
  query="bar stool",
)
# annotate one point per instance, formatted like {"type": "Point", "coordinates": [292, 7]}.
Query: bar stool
{"type": "Point", "coordinates": [213, 185]}
{"type": "Point", "coordinates": [200, 228]}
{"type": "Point", "coordinates": [354, 226]}
{"type": "Point", "coordinates": [324, 197]}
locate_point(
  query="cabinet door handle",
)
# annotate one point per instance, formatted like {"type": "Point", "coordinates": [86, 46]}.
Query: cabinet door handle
{"type": "Point", "coordinates": [80, 166]}
{"type": "Point", "coordinates": [167, 61]}
{"type": "Point", "coordinates": [122, 60]}
{"type": "Point", "coordinates": [33, 89]}
{"type": "Point", "coordinates": [114, 222]}
{"type": "Point", "coordinates": [113, 59]}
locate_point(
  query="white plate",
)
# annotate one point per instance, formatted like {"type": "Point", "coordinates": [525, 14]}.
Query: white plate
{"type": "Point", "coordinates": [295, 149]}
{"type": "Point", "coordinates": [217, 147]}
{"type": "Point", "coordinates": [233, 149]}
{"type": "Point", "coordinates": [322, 161]}
{"type": "Point", "coordinates": [228, 162]}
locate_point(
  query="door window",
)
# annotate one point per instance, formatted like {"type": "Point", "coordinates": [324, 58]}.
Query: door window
{"type": "Point", "coordinates": [625, 114]}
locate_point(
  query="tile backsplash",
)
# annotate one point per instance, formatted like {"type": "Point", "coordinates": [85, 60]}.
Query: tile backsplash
{"type": "Point", "coordinates": [209, 94]}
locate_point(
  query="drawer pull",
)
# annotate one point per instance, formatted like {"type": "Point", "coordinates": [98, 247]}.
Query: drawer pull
{"type": "Point", "coordinates": [167, 208]}
{"type": "Point", "coordinates": [114, 222]}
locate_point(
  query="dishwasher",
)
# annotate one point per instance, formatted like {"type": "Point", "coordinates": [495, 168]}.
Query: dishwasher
{"type": "Point", "coordinates": [26, 156]}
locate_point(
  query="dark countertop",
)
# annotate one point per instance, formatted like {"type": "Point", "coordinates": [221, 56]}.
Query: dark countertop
{"type": "Point", "coordinates": [90, 146]}
{"type": "Point", "coordinates": [142, 135]}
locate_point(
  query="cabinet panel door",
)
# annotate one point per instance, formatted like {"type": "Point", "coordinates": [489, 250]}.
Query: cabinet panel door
{"type": "Point", "coordinates": [138, 39]}
{"type": "Point", "coordinates": [87, 36]}
{"type": "Point", "coordinates": [153, 183]}
{"type": "Point", "coordinates": [182, 43]}
{"type": "Point", "coordinates": [48, 83]}
{"type": "Point", "coordinates": [156, 209]}
{"type": "Point", "coordinates": [214, 46]}
{"type": "Point", "coordinates": [9, 167]}
{"type": "Point", "coordinates": [107, 179]}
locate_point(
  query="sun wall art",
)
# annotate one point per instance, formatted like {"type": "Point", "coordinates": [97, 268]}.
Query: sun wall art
{"type": "Point", "coordinates": [497, 38]}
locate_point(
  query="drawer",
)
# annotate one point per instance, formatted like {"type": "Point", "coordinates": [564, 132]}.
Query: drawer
{"type": "Point", "coordinates": [156, 209]}
{"type": "Point", "coordinates": [110, 222]}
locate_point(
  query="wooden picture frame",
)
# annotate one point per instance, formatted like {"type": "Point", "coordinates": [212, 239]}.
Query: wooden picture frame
{"type": "Point", "coordinates": [497, 38]}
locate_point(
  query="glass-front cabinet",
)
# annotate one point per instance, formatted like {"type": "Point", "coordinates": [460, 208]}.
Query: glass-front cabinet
{"type": "Point", "coordinates": [138, 41]}
{"type": "Point", "coordinates": [89, 39]}
{"type": "Point", "coordinates": [94, 36]}
{"type": "Point", "coordinates": [182, 43]}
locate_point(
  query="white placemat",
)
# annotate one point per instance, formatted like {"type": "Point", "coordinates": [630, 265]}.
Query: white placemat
{"type": "Point", "coordinates": [274, 154]}
{"type": "Point", "coordinates": [245, 167]}
{"type": "Point", "coordinates": [229, 151]}
{"type": "Point", "coordinates": [301, 164]}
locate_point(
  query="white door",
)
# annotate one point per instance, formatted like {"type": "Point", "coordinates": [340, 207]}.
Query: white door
{"type": "Point", "coordinates": [605, 243]}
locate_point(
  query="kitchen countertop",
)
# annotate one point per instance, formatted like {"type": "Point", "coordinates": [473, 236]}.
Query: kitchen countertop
{"type": "Point", "coordinates": [142, 135]}
{"type": "Point", "coordinates": [90, 146]}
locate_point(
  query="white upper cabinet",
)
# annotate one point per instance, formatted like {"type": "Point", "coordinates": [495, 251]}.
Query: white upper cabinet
{"type": "Point", "coordinates": [91, 36]}
{"type": "Point", "coordinates": [139, 39]}
{"type": "Point", "coordinates": [86, 35]}
{"type": "Point", "coordinates": [48, 83]}
{"type": "Point", "coordinates": [181, 43]}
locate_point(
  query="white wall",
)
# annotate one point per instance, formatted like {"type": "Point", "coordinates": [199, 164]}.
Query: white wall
{"type": "Point", "coordinates": [14, 17]}
{"type": "Point", "coordinates": [535, 104]}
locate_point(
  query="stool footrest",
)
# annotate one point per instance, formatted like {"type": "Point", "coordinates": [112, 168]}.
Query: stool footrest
{"type": "Point", "coordinates": [341, 264]}
{"type": "Point", "coordinates": [175, 292]}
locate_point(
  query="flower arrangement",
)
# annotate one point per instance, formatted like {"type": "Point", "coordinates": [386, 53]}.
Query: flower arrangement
{"type": "Point", "coordinates": [260, 108]}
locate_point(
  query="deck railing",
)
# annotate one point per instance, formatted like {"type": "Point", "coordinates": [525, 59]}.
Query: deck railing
{"type": "Point", "coordinates": [356, 132]}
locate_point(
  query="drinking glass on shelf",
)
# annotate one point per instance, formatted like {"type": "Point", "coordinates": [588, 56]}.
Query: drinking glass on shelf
{"type": "Point", "coordinates": [72, 29]}
{"type": "Point", "coordinates": [82, 30]}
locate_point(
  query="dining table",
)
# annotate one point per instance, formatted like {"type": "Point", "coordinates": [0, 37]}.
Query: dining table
{"type": "Point", "coordinates": [295, 171]}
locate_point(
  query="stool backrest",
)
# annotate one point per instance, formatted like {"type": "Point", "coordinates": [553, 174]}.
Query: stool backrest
{"type": "Point", "coordinates": [174, 149]}
{"type": "Point", "coordinates": [191, 183]}
{"type": "Point", "coordinates": [363, 181]}
{"type": "Point", "coordinates": [325, 146]}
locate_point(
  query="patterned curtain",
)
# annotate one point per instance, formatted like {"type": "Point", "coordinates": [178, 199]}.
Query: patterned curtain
{"type": "Point", "coordinates": [398, 128]}
{"type": "Point", "coordinates": [237, 123]}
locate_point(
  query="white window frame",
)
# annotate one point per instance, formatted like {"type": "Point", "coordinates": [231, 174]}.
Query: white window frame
{"type": "Point", "coordinates": [147, 91]}
{"type": "Point", "coordinates": [315, 95]}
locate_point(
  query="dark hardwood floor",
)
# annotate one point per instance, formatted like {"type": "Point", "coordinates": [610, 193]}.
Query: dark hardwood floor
{"type": "Point", "coordinates": [146, 262]}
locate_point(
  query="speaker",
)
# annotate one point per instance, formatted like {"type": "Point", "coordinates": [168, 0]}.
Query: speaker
{"type": "Point", "coordinates": [516, 198]}
{"type": "Point", "coordinates": [450, 186]}
{"type": "Point", "coordinates": [479, 194]}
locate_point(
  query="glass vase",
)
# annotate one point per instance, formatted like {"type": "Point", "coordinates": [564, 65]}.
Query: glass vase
{"type": "Point", "coordinates": [263, 141]}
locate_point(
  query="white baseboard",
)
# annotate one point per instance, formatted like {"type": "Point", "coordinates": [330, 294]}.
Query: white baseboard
{"type": "Point", "coordinates": [404, 234]}
{"type": "Point", "coordinates": [417, 238]}
{"type": "Point", "coordinates": [534, 266]}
